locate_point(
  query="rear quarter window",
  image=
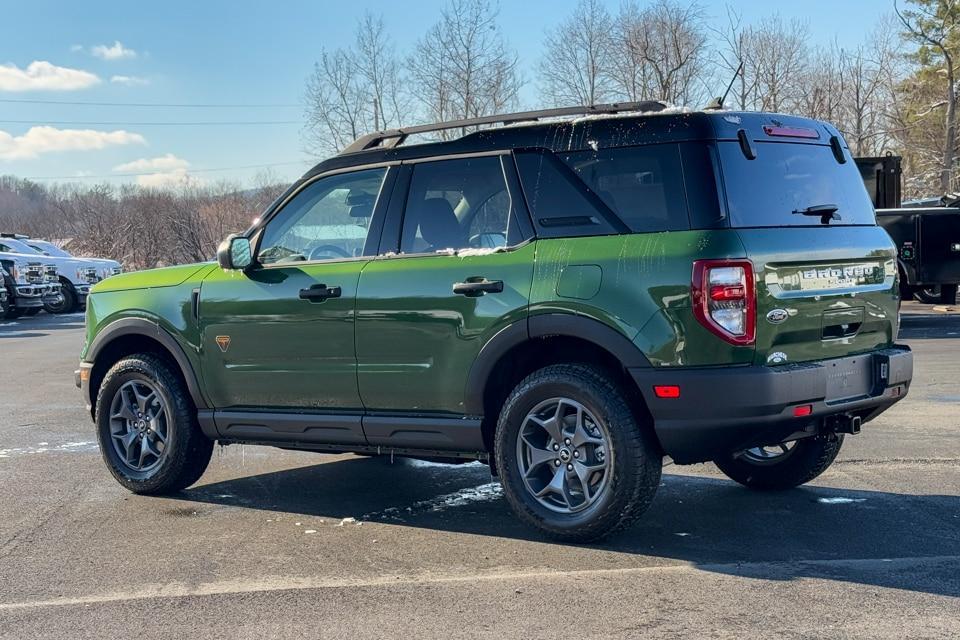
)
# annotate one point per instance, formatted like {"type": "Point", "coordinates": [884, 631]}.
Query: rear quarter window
{"type": "Point", "coordinates": [786, 178]}
{"type": "Point", "coordinates": [642, 185]}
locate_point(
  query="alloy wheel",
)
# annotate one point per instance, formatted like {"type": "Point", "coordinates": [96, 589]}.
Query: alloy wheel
{"type": "Point", "coordinates": [139, 425]}
{"type": "Point", "coordinates": [564, 455]}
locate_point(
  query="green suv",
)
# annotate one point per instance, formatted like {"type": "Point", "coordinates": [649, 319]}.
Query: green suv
{"type": "Point", "coordinates": [569, 299]}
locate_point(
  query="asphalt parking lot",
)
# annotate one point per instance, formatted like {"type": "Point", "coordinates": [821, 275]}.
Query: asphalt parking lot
{"type": "Point", "coordinates": [276, 544]}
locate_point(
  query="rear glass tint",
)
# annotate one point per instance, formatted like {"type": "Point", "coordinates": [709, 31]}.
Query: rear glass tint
{"type": "Point", "coordinates": [642, 185]}
{"type": "Point", "coordinates": [786, 178]}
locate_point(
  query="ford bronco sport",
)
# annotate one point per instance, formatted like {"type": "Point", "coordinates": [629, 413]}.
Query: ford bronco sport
{"type": "Point", "coordinates": [569, 299]}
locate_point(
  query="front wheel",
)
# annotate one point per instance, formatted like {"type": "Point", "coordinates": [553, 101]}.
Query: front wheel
{"type": "Point", "coordinates": [782, 466]}
{"type": "Point", "coordinates": [574, 461]}
{"type": "Point", "coordinates": [67, 303]}
{"type": "Point", "coordinates": [147, 427]}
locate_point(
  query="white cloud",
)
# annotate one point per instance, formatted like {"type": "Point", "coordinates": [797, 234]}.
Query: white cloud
{"type": "Point", "coordinates": [167, 162]}
{"type": "Point", "coordinates": [130, 81]}
{"type": "Point", "coordinates": [40, 140]}
{"type": "Point", "coordinates": [161, 172]}
{"type": "Point", "coordinates": [114, 52]}
{"type": "Point", "coordinates": [41, 75]}
{"type": "Point", "coordinates": [176, 178]}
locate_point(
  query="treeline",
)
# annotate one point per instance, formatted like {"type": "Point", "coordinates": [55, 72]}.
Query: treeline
{"type": "Point", "coordinates": [895, 91]}
{"type": "Point", "coordinates": [142, 228]}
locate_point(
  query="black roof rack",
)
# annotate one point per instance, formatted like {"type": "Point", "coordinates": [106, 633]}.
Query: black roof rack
{"type": "Point", "coordinates": [394, 137]}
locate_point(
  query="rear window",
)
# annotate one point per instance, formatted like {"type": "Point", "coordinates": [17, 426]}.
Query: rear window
{"type": "Point", "coordinates": [786, 179]}
{"type": "Point", "coordinates": [642, 185]}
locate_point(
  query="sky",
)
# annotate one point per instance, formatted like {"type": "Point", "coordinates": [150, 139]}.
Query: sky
{"type": "Point", "coordinates": [253, 54]}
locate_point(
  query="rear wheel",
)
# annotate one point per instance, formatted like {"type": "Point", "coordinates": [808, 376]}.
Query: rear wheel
{"type": "Point", "coordinates": [781, 466]}
{"type": "Point", "coordinates": [147, 427]}
{"type": "Point", "coordinates": [572, 457]}
{"type": "Point", "coordinates": [928, 295]}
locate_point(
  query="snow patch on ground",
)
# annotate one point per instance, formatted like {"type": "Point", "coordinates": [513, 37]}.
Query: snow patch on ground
{"type": "Point", "coordinates": [471, 495]}
{"type": "Point", "coordinates": [840, 500]}
{"type": "Point", "coordinates": [69, 447]}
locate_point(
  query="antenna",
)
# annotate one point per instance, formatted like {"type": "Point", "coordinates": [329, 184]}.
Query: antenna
{"type": "Point", "coordinates": [717, 103]}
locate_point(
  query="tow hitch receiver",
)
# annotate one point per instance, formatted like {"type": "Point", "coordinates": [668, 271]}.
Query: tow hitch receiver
{"type": "Point", "coordinates": [842, 423]}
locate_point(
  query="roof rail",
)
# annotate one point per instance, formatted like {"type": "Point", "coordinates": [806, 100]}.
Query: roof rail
{"type": "Point", "coordinates": [395, 137]}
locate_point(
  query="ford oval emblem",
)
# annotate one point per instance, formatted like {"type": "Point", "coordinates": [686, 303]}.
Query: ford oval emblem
{"type": "Point", "coordinates": [777, 316]}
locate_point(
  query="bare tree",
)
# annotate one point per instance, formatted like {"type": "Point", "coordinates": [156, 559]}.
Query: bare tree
{"type": "Point", "coordinates": [779, 62]}
{"type": "Point", "coordinates": [576, 64]}
{"type": "Point", "coordinates": [666, 44]}
{"type": "Point", "coordinates": [353, 91]}
{"type": "Point", "coordinates": [738, 55]}
{"type": "Point", "coordinates": [463, 67]}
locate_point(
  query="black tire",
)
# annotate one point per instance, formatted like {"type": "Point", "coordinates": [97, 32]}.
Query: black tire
{"type": "Point", "coordinates": [948, 294]}
{"type": "Point", "coordinates": [32, 311]}
{"type": "Point", "coordinates": [69, 303]}
{"type": "Point", "coordinates": [187, 452]}
{"type": "Point", "coordinates": [634, 473]}
{"type": "Point", "coordinates": [12, 313]}
{"type": "Point", "coordinates": [928, 295]}
{"type": "Point", "coordinates": [806, 460]}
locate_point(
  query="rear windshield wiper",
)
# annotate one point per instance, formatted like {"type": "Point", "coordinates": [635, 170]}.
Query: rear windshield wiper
{"type": "Point", "coordinates": [826, 212]}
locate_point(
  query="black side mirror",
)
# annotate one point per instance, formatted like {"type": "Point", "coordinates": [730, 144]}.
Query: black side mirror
{"type": "Point", "coordinates": [235, 253]}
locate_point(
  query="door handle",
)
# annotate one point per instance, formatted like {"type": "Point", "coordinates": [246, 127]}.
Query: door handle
{"type": "Point", "coordinates": [319, 293]}
{"type": "Point", "coordinates": [477, 286]}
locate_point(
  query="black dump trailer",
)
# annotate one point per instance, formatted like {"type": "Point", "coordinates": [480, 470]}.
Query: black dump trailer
{"type": "Point", "coordinates": [927, 234]}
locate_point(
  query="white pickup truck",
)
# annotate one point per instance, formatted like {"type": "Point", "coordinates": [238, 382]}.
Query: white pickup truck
{"type": "Point", "coordinates": [30, 282]}
{"type": "Point", "coordinates": [105, 266]}
{"type": "Point", "coordinates": [73, 277]}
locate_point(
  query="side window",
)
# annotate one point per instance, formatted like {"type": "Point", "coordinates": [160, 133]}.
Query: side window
{"type": "Point", "coordinates": [642, 185]}
{"type": "Point", "coordinates": [458, 204]}
{"type": "Point", "coordinates": [559, 203]}
{"type": "Point", "coordinates": [328, 220]}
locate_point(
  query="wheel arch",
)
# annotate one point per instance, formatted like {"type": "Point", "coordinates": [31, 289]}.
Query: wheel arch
{"type": "Point", "coordinates": [127, 336]}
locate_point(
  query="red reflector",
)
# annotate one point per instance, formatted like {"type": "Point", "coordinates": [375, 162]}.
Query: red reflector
{"type": "Point", "coordinates": [666, 390]}
{"type": "Point", "coordinates": [722, 292]}
{"type": "Point", "coordinates": [803, 410]}
{"type": "Point", "coordinates": [790, 132]}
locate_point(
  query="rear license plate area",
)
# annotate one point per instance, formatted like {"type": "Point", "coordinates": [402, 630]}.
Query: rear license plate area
{"type": "Point", "coordinates": [849, 378]}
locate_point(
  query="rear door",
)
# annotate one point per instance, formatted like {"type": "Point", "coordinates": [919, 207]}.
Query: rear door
{"type": "Point", "coordinates": [825, 272]}
{"type": "Point", "coordinates": [456, 268]}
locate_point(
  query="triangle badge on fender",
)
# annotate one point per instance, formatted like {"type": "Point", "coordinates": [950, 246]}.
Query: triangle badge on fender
{"type": "Point", "coordinates": [223, 342]}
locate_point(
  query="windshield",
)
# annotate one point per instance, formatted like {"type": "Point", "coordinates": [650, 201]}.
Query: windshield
{"type": "Point", "coordinates": [792, 185]}
{"type": "Point", "coordinates": [49, 248]}
{"type": "Point", "coordinates": [11, 245]}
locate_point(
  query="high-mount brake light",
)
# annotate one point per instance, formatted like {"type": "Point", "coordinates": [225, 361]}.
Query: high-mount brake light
{"type": "Point", "coordinates": [790, 132]}
{"type": "Point", "coordinates": [724, 299]}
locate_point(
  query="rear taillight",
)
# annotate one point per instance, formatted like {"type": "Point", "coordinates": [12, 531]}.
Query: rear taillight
{"type": "Point", "coordinates": [724, 299]}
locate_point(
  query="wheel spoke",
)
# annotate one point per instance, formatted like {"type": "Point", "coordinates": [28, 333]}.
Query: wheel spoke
{"type": "Point", "coordinates": [583, 473]}
{"type": "Point", "coordinates": [551, 426]}
{"type": "Point", "coordinates": [144, 401]}
{"type": "Point", "coordinates": [539, 457]}
{"type": "Point", "coordinates": [581, 437]}
{"type": "Point", "coordinates": [557, 486]}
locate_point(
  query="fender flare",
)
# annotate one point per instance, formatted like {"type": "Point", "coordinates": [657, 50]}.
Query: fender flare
{"type": "Point", "coordinates": [542, 326]}
{"type": "Point", "coordinates": [148, 329]}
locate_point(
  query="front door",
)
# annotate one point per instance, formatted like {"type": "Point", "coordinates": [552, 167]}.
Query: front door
{"type": "Point", "coordinates": [461, 273]}
{"type": "Point", "coordinates": [280, 336]}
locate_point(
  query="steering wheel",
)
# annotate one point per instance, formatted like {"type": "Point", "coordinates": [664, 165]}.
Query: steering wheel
{"type": "Point", "coordinates": [317, 252]}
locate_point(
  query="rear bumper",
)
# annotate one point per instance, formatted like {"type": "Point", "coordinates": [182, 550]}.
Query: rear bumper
{"type": "Point", "coordinates": [722, 410]}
